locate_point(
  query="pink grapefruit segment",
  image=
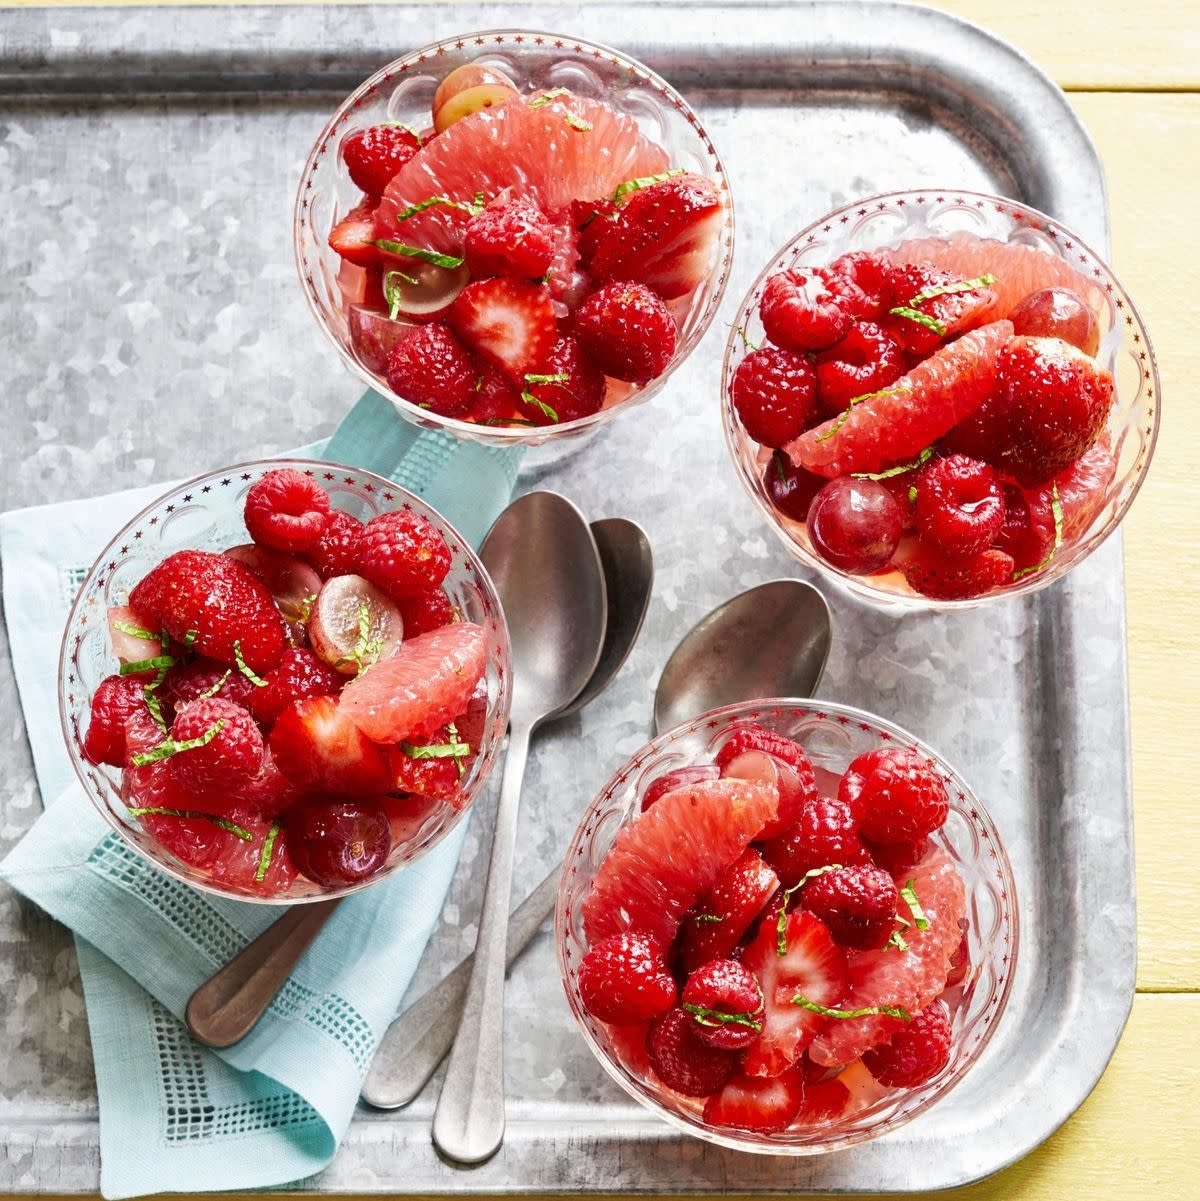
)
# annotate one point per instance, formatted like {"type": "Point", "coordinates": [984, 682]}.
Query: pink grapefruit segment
{"type": "Point", "coordinates": [899, 422]}
{"type": "Point", "coordinates": [673, 854]}
{"type": "Point", "coordinates": [1083, 488]}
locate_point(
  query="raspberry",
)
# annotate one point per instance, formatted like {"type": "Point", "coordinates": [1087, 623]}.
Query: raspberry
{"type": "Point", "coordinates": [800, 314]}
{"type": "Point", "coordinates": [826, 833]}
{"type": "Point", "coordinates": [725, 1001]}
{"type": "Point", "coordinates": [857, 902]}
{"type": "Point", "coordinates": [403, 553]}
{"type": "Point", "coordinates": [790, 488]}
{"type": "Point", "coordinates": [496, 400]}
{"type": "Point", "coordinates": [916, 1052]}
{"type": "Point", "coordinates": [960, 506]}
{"type": "Point", "coordinates": [897, 857]}
{"type": "Point", "coordinates": [231, 757]}
{"type": "Point", "coordinates": [579, 395]}
{"type": "Point", "coordinates": [372, 156]}
{"type": "Point", "coordinates": [774, 394]}
{"type": "Point", "coordinates": [955, 577]}
{"type": "Point", "coordinates": [682, 1060]}
{"type": "Point", "coordinates": [434, 778]}
{"type": "Point", "coordinates": [189, 682]}
{"type": "Point", "coordinates": [509, 237]}
{"type": "Point", "coordinates": [866, 360]}
{"type": "Point", "coordinates": [592, 219]}
{"type": "Point", "coordinates": [335, 552]}
{"type": "Point", "coordinates": [425, 611]}
{"type": "Point", "coordinates": [300, 674]}
{"type": "Point", "coordinates": [859, 281]}
{"type": "Point", "coordinates": [1027, 532]}
{"type": "Point", "coordinates": [627, 332]}
{"type": "Point", "coordinates": [219, 601]}
{"type": "Point", "coordinates": [114, 700]}
{"type": "Point", "coordinates": [896, 795]}
{"type": "Point", "coordinates": [749, 736]}
{"type": "Point", "coordinates": [624, 978]}
{"type": "Point", "coordinates": [432, 369]}
{"type": "Point", "coordinates": [286, 510]}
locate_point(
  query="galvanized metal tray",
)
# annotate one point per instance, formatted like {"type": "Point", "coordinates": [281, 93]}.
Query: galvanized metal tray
{"type": "Point", "coordinates": [155, 325]}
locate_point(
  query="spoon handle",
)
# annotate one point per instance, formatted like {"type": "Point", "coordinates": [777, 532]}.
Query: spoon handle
{"type": "Point", "coordinates": [417, 1041]}
{"type": "Point", "coordinates": [226, 1007]}
{"type": "Point", "coordinates": [468, 1125]}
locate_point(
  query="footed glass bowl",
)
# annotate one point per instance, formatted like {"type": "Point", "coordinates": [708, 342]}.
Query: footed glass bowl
{"type": "Point", "coordinates": [833, 736]}
{"type": "Point", "coordinates": [206, 514]}
{"type": "Point", "coordinates": [888, 220]}
{"type": "Point", "coordinates": [402, 92]}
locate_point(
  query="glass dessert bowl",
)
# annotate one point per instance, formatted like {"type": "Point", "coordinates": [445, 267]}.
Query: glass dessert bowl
{"type": "Point", "coordinates": [786, 927]}
{"type": "Point", "coordinates": [940, 399]}
{"type": "Point", "coordinates": [253, 714]}
{"type": "Point", "coordinates": [514, 235]}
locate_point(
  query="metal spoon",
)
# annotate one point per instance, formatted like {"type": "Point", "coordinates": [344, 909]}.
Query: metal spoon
{"type": "Point", "coordinates": [791, 615]}
{"type": "Point", "coordinates": [417, 1041]}
{"type": "Point", "coordinates": [546, 568]}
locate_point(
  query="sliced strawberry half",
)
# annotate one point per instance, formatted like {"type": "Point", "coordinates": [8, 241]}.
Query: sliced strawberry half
{"type": "Point", "coordinates": [725, 913]}
{"type": "Point", "coordinates": [812, 966]}
{"type": "Point", "coordinates": [353, 237]}
{"type": "Point", "coordinates": [762, 1104]}
{"type": "Point", "coordinates": [318, 748]}
{"type": "Point", "coordinates": [508, 323]}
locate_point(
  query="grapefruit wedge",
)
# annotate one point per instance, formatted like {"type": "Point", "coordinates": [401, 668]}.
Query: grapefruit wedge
{"type": "Point", "coordinates": [1083, 488]}
{"type": "Point", "coordinates": [900, 421]}
{"type": "Point", "coordinates": [673, 854]}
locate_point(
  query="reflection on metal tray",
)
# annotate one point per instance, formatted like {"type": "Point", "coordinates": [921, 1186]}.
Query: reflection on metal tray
{"type": "Point", "coordinates": [198, 315]}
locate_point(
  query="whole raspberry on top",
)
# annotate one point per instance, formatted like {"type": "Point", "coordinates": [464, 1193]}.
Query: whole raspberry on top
{"type": "Point", "coordinates": [682, 1060]}
{"type": "Point", "coordinates": [960, 505]}
{"type": "Point", "coordinates": [425, 611]}
{"type": "Point", "coordinates": [286, 510]}
{"type": "Point", "coordinates": [800, 313]}
{"type": "Point", "coordinates": [750, 736]}
{"type": "Point", "coordinates": [857, 902]}
{"type": "Point", "coordinates": [228, 750]}
{"type": "Point", "coordinates": [866, 360]}
{"type": "Point", "coordinates": [202, 678]}
{"type": "Point", "coordinates": [403, 553]}
{"type": "Point", "coordinates": [509, 237]}
{"type": "Point", "coordinates": [335, 552]}
{"type": "Point", "coordinates": [300, 675]}
{"type": "Point", "coordinates": [826, 833]}
{"type": "Point", "coordinates": [432, 369]}
{"type": "Point", "coordinates": [372, 156]}
{"type": "Point", "coordinates": [774, 395]}
{"type": "Point", "coordinates": [627, 332]}
{"type": "Point", "coordinates": [725, 1001]}
{"type": "Point", "coordinates": [567, 385]}
{"type": "Point", "coordinates": [916, 1052]}
{"type": "Point", "coordinates": [114, 700]}
{"type": "Point", "coordinates": [940, 576]}
{"type": "Point", "coordinates": [624, 979]}
{"type": "Point", "coordinates": [896, 795]}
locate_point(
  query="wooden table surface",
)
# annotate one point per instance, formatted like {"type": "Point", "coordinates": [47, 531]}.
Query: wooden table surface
{"type": "Point", "coordinates": [1133, 74]}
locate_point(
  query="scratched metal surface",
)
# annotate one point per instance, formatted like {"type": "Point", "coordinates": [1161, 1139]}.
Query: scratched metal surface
{"type": "Point", "coordinates": [154, 327]}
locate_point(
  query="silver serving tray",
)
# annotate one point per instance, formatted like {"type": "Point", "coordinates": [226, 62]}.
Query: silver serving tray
{"type": "Point", "coordinates": [189, 127]}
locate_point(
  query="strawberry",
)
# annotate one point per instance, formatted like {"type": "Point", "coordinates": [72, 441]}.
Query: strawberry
{"type": "Point", "coordinates": [812, 966]}
{"type": "Point", "coordinates": [432, 369]}
{"type": "Point", "coordinates": [663, 236]}
{"type": "Point", "coordinates": [227, 750]}
{"type": "Point", "coordinates": [954, 577]}
{"type": "Point", "coordinates": [286, 510]}
{"type": "Point", "coordinates": [764, 1105]}
{"type": "Point", "coordinates": [221, 600]}
{"type": "Point", "coordinates": [627, 332]}
{"type": "Point", "coordinates": [725, 913]}
{"type": "Point", "coordinates": [548, 399]}
{"type": "Point", "coordinates": [299, 675]}
{"type": "Point", "coordinates": [624, 978]}
{"type": "Point", "coordinates": [922, 318]}
{"type": "Point", "coordinates": [114, 700]}
{"type": "Point", "coordinates": [824, 1101]}
{"type": "Point", "coordinates": [321, 750]}
{"type": "Point", "coordinates": [509, 237]}
{"type": "Point", "coordinates": [372, 156]}
{"type": "Point", "coordinates": [591, 218]}
{"type": "Point", "coordinates": [507, 323]}
{"type": "Point", "coordinates": [353, 237]}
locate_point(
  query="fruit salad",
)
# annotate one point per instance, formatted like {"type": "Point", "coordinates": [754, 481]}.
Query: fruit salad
{"type": "Point", "coordinates": [776, 951]}
{"type": "Point", "coordinates": [520, 256]}
{"type": "Point", "coordinates": [934, 416]}
{"type": "Point", "coordinates": [294, 713]}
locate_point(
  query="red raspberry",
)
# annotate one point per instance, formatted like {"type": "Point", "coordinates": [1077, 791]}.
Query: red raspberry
{"type": "Point", "coordinates": [425, 611]}
{"type": "Point", "coordinates": [749, 736]}
{"type": "Point", "coordinates": [592, 218]}
{"type": "Point", "coordinates": [866, 360]}
{"type": "Point", "coordinates": [859, 280]}
{"type": "Point", "coordinates": [800, 314]}
{"type": "Point", "coordinates": [301, 674]}
{"type": "Point", "coordinates": [960, 506]}
{"type": "Point", "coordinates": [335, 552]}
{"type": "Point", "coordinates": [916, 1052]}
{"type": "Point", "coordinates": [432, 369]}
{"type": "Point", "coordinates": [579, 395]}
{"type": "Point", "coordinates": [682, 1060]}
{"type": "Point", "coordinates": [725, 1001]}
{"type": "Point", "coordinates": [897, 857]}
{"type": "Point", "coordinates": [955, 577]}
{"type": "Point", "coordinates": [627, 332]}
{"type": "Point", "coordinates": [403, 553]}
{"type": "Point", "coordinates": [218, 598]}
{"type": "Point", "coordinates": [114, 700]}
{"type": "Point", "coordinates": [774, 394]}
{"type": "Point", "coordinates": [1027, 533]}
{"type": "Point", "coordinates": [624, 978]}
{"type": "Point", "coordinates": [188, 682]}
{"type": "Point", "coordinates": [857, 903]}
{"type": "Point", "coordinates": [895, 794]}
{"type": "Point", "coordinates": [496, 400]}
{"type": "Point", "coordinates": [286, 510]}
{"type": "Point", "coordinates": [826, 833]}
{"type": "Point", "coordinates": [509, 237]}
{"type": "Point", "coordinates": [229, 758]}
{"type": "Point", "coordinates": [790, 488]}
{"type": "Point", "coordinates": [372, 156]}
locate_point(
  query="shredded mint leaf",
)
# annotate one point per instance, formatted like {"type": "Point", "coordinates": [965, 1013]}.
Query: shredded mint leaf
{"type": "Point", "coordinates": [367, 650]}
{"type": "Point", "coordinates": [910, 899]}
{"type": "Point", "coordinates": [891, 1011]}
{"type": "Point", "coordinates": [919, 461]}
{"type": "Point", "coordinates": [1057, 509]}
{"type": "Point", "coordinates": [530, 399]}
{"type": "Point", "coordinates": [546, 97]}
{"type": "Point", "coordinates": [158, 663]}
{"type": "Point", "coordinates": [438, 750]}
{"type": "Point", "coordinates": [561, 378]}
{"type": "Point", "coordinates": [857, 400]}
{"type": "Point", "coordinates": [707, 919]}
{"type": "Point", "coordinates": [449, 261]}
{"type": "Point", "coordinates": [268, 850]}
{"type": "Point", "coordinates": [903, 310]}
{"type": "Point", "coordinates": [741, 332]}
{"type": "Point", "coordinates": [781, 920]}
{"type": "Point", "coordinates": [211, 692]}
{"type": "Point", "coordinates": [189, 638]}
{"type": "Point", "coordinates": [135, 631]}
{"type": "Point", "coordinates": [912, 494]}
{"type": "Point", "coordinates": [244, 668]}
{"type": "Point", "coordinates": [897, 941]}
{"type": "Point", "coordinates": [716, 1017]}
{"type": "Point", "coordinates": [966, 285]}
{"type": "Point", "coordinates": [576, 122]}
{"type": "Point", "coordinates": [428, 203]}
{"type": "Point", "coordinates": [391, 291]}
{"type": "Point", "coordinates": [225, 824]}
{"type": "Point", "coordinates": [644, 181]}
{"type": "Point", "coordinates": [170, 747]}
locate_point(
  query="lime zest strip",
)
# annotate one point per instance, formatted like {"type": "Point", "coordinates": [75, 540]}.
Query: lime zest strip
{"type": "Point", "coordinates": [170, 747]}
{"type": "Point", "coordinates": [963, 285]}
{"type": "Point", "coordinates": [449, 261]}
{"type": "Point", "coordinates": [268, 850]}
{"type": "Point", "coordinates": [891, 1011]}
{"type": "Point", "coordinates": [643, 181]}
{"type": "Point", "coordinates": [225, 824]}
{"type": "Point", "coordinates": [1057, 509]}
{"type": "Point", "coordinates": [844, 416]}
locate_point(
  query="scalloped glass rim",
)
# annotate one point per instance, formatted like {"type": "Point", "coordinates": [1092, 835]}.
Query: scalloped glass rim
{"type": "Point", "coordinates": [510, 436]}
{"type": "Point", "coordinates": [619, 798]}
{"type": "Point", "coordinates": [1126, 484]}
{"type": "Point", "coordinates": [467, 570]}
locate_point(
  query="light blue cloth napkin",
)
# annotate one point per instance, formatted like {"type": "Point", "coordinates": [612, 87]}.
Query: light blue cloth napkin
{"type": "Point", "coordinates": [175, 1116]}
